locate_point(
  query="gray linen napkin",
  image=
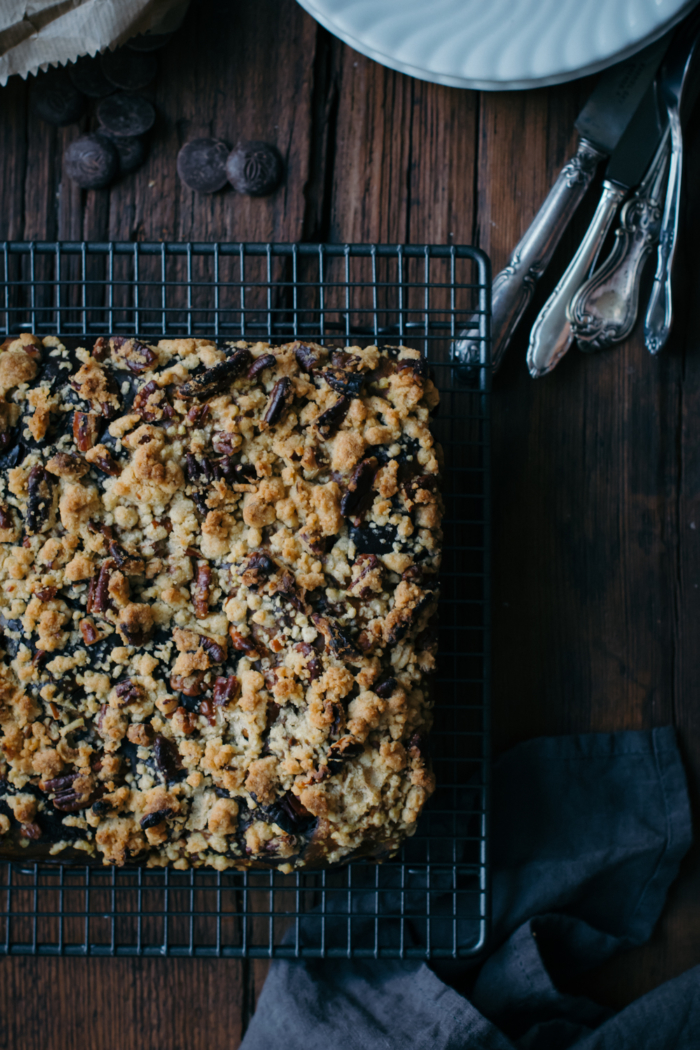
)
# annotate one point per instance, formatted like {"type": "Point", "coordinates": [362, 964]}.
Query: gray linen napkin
{"type": "Point", "coordinates": [588, 834]}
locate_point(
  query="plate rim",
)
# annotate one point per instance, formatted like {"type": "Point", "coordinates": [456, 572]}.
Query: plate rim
{"type": "Point", "coordinates": [449, 80]}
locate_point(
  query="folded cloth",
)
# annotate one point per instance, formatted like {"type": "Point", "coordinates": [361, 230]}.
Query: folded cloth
{"type": "Point", "coordinates": [587, 836]}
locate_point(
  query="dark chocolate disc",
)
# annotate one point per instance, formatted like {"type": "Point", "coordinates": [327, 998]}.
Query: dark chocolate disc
{"type": "Point", "coordinates": [201, 164]}
{"type": "Point", "coordinates": [149, 41]}
{"type": "Point", "coordinates": [254, 168]}
{"type": "Point", "coordinates": [129, 70]}
{"type": "Point", "coordinates": [132, 151]}
{"type": "Point", "coordinates": [91, 161]}
{"type": "Point", "coordinates": [86, 74]}
{"type": "Point", "coordinates": [126, 115]}
{"type": "Point", "coordinates": [56, 99]}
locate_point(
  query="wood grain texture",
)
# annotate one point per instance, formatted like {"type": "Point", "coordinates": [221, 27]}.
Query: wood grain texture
{"type": "Point", "coordinates": [596, 468]}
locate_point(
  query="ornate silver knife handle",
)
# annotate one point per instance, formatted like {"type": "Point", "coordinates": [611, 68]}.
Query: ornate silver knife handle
{"type": "Point", "coordinates": [514, 286]}
{"type": "Point", "coordinates": [657, 323]}
{"type": "Point", "coordinates": [551, 334]}
{"type": "Point", "coordinates": [604, 309]}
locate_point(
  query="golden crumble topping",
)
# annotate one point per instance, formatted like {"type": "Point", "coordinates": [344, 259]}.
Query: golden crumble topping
{"type": "Point", "coordinates": [218, 576]}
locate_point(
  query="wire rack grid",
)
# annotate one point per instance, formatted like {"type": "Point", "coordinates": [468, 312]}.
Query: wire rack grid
{"type": "Point", "coordinates": [432, 900]}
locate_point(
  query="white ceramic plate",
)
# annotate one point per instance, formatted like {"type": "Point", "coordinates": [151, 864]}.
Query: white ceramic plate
{"type": "Point", "coordinates": [497, 45]}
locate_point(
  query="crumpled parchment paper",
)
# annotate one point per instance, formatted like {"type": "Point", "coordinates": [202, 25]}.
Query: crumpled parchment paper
{"type": "Point", "coordinates": [36, 34]}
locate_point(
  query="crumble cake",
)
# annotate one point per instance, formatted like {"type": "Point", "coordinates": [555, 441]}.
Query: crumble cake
{"type": "Point", "coordinates": [218, 596]}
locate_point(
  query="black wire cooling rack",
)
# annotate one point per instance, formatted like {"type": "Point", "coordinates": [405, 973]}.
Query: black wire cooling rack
{"type": "Point", "coordinates": [433, 899]}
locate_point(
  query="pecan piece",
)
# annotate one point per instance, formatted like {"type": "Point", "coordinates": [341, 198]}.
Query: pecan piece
{"type": "Point", "coordinates": [130, 564]}
{"type": "Point", "coordinates": [224, 443]}
{"type": "Point", "coordinates": [240, 643]}
{"type": "Point", "coordinates": [215, 379]}
{"type": "Point", "coordinates": [259, 567]}
{"type": "Point", "coordinates": [215, 652]}
{"type": "Point", "coordinates": [198, 415]}
{"type": "Point", "coordinates": [98, 599]}
{"type": "Point", "coordinates": [63, 465]}
{"type": "Point", "coordinates": [150, 403]}
{"type": "Point", "coordinates": [86, 430]}
{"type": "Point", "coordinates": [46, 593]}
{"type": "Point", "coordinates": [40, 493]}
{"type": "Point", "coordinates": [331, 419]}
{"type": "Point", "coordinates": [260, 364]}
{"type": "Point", "coordinates": [206, 708]}
{"type": "Point", "coordinates": [127, 692]}
{"type": "Point", "coordinates": [340, 645]}
{"type": "Point", "coordinates": [277, 402]}
{"type": "Point", "coordinates": [89, 632]}
{"type": "Point", "coordinates": [189, 685]}
{"type": "Point", "coordinates": [307, 358]}
{"type": "Point", "coordinates": [225, 690]}
{"type": "Point", "coordinates": [200, 591]}
{"type": "Point", "coordinates": [313, 665]}
{"type": "Point", "coordinates": [107, 464]}
{"type": "Point", "coordinates": [30, 831]}
{"type": "Point", "coordinates": [6, 521]}
{"type": "Point", "coordinates": [138, 356]}
{"type": "Point", "coordinates": [101, 349]}
{"type": "Point", "coordinates": [417, 365]}
{"type": "Point", "coordinates": [167, 758]}
{"type": "Point", "coordinates": [58, 784]}
{"type": "Point", "coordinates": [357, 498]}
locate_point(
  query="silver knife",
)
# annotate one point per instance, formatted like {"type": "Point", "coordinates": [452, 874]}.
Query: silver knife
{"type": "Point", "coordinates": [679, 84]}
{"type": "Point", "coordinates": [601, 124]}
{"type": "Point", "coordinates": [551, 334]}
{"type": "Point", "coordinates": [604, 309]}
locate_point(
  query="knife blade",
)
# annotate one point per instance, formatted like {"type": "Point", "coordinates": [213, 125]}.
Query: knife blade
{"type": "Point", "coordinates": [601, 124]}
{"type": "Point", "coordinates": [551, 334]}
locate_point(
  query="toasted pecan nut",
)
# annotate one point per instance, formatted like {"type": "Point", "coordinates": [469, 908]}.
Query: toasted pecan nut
{"type": "Point", "coordinates": [215, 379]}
{"type": "Point", "coordinates": [87, 427]}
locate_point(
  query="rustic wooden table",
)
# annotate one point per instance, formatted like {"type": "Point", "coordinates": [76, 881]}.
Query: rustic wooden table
{"type": "Point", "coordinates": [596, 468]}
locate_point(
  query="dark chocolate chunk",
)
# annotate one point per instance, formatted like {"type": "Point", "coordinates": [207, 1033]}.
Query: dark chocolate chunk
{"type": "Point", "coordinates": [149, 41]}
{"type": "Point", "coordinates": [126, 115]}
{"type": "Point", "coordinates": [255, 168]}
{"type": "Point", "coordinates": [210, 382]}
{"type": "Point", "coordinates": [348, 383]}
{"type": "Point", "coordinates": [87, 76]}
{"type": "Point", "coordinates": [151, 819]}
{"type": "Point", "coordinates": [377, 539]}
{"type": "Point", "coordinates": [131, 150]}
{"type": "Point", "coordinates": [289, 814]}
{"type": "Point", "coordinates": [385, 688]}
{"type": "Point", "coordinates": [128, 69]}
{"type": "Point", "coordinates": [201, 164]}
{"type": "Point", "coordinates": [56, 99]}
{"type": "Point", "coordinates": [91, 161]}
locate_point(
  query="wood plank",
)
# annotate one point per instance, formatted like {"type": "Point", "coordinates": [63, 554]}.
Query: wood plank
{"type": "Point", "coordinates": [159, 1004]}
{"type": "Point", "coordinates": [234, 72]}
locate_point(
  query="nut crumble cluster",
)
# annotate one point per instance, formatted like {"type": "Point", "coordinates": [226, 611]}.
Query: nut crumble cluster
{"type": "Point", "coordinates": [218, 580]}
